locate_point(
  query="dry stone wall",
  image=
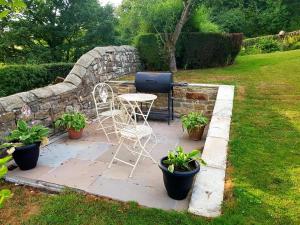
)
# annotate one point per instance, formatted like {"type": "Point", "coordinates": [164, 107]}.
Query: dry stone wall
{"type": "Point", "coordinates": [44, 105]}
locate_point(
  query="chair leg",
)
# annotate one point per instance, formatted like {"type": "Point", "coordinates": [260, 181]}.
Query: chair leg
{"type": "Point", "coordinates": [138, 159]}
{"type": "Point", "coordinates": [117, 151]}
{"type": "Point", "coordinates": [102, 128]}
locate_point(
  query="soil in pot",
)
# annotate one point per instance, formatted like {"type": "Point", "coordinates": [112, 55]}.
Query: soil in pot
{"type": "Point", "coordinates": [178, 183]}
{"type": "Point", "coordinates": [26, 157]}
{"type": "Point", "coordinates": [73, 134]}
{"type": "Point", "coordinates": [196, 133]}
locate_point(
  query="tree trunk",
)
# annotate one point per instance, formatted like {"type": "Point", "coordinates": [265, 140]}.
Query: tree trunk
{"type": "Point", "coordinates": [172, 58]}
{"type": "Point", "coordinates": [171, 43]}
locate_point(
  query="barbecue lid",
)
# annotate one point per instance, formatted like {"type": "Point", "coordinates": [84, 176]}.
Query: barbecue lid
{"type": "Point", "coordinates": [154, 82]}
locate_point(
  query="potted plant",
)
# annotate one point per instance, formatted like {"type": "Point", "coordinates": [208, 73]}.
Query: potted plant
{"type": "Point", "coordinates": [179, 169]}
{"type": "Point", "coordinates": [74, 122]}
{"type": "Point", "coordinates": [24, 144]}
{"type": "Point", "coordinates": [195, 124]}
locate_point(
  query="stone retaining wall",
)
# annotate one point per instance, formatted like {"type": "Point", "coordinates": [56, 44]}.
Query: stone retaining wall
{"type": "Point", "coordinates": [190, 98]}
{"type": "Point", "coordinates": [47, 103]}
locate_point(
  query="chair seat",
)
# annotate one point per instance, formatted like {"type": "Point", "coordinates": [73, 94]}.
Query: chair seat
{"type": "Point", "coordinates": [110, 113]}
{"type": "Point", "coordinates": [138, 131]}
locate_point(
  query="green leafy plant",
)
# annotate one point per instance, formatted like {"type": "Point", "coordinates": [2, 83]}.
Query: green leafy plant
{"type": "Point", "coordinates": [26, 135]}
{"type": "Point", "coordinates": [193, 120]}
{"type": "Point", "coordinates": [4, 193]}
{"type": "Point", "coordinates": [178, 160]}
{"type": "Point", "coordinates": [73, 120]}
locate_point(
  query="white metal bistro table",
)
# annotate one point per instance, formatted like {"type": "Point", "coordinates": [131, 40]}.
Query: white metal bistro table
{"type": "Point", "coordinates": [139, 98]}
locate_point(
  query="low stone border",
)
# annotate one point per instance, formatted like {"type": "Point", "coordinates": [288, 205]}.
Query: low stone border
{"type": "Point", "coordinates": [208, 190]}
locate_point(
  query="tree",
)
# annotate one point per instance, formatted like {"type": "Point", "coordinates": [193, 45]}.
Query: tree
{"type": "Point", "coordinates": [9, 6]}
{"type": "Point", "coordinates": [253, 17]}
{"type": "Point", "coordinates": [166, 18]}
{"type": "Point", "coordinates": [56, 30]}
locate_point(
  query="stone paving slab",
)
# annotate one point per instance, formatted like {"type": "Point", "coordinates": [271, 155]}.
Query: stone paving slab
{"type": "Point", "coordinates": [83, 165]}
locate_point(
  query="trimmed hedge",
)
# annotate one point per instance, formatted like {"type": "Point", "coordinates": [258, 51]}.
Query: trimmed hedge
{"type": "Point", "coordinates": [193, 50]}
{"type": "Point", "coordinates": [203, 50]}
{"type": "Point", "coordinates": [19, 78]}
{"type": "Point", "coordinates": [150, 52]}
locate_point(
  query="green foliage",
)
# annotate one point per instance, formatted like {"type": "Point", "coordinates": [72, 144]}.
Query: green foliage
{"type": "Point", "coordinates": [252, 17]}
{"type": "Point", "coordinates": [178, 160]}
{"type": "Point", "coordinates": [55, 31]}
{"type": "Point", "coordinates": [194, 50]}
{"type": "Point", "coordinates": [202, 50]}
{"type": "Point", "coordinates": [154, 16]}
{"type": "Point", "coordinates": [291, 42]}
{"type": "Point", "coordinates": [4, 193]}
{"type": "Point", "coordinates": [147, 16]}
{"type": "Point", "coordinates": [19, 78]}
{"type": "Point", "coordinates": [9, 6]}
{"type": "Point", "coordinates": [270, 43]}
{"type": "Point", "coordinates": [151, 52]}
{"type": "Point", "coordinates": [202, 20]}
{"type": "Point", "coordinates": [27, 135]}
{"type": "Point", "coordinates": [73, 120]}
{"type": "Point", "coordinates": [193, 120]}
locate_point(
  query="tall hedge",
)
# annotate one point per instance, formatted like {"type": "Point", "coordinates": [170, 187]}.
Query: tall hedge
{"type": "Point", "coordinates": [151, 52]}
{"type": "Point", "coordinates": [193, 50]}
{"type": "Point", "coordinates": [19, 78]}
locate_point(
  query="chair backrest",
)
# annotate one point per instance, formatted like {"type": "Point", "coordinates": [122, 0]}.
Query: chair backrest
{"type": "Point", "coordinates": [103, 96]}
{"type": "Point", "coordinates": [127, 119]}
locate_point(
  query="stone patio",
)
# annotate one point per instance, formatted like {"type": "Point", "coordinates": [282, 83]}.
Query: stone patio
{"type": "Point", "coordinates": [83, 164]}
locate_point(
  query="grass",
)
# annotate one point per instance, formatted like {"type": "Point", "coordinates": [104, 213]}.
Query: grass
{"type": "Point", "coordinates": [264, 158]}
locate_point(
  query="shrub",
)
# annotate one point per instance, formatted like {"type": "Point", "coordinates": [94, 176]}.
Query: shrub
{"type": "Point", "coordinates": [267, 45]}
{"type": "Point", "coordinates": [72, 120]}
{"type": "Point", "coordinates": [271, 43]}
{"type": "Point", "coordinates": [193, 50]}
{"type": "Point", "coordinates": [202, 50]}
{"type": "Point", "coordinates": [151, 52]}
{"type": "Point", "coordinates": [19, 78]}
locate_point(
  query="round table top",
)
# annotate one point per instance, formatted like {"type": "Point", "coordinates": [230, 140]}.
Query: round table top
{"type": "Point", "coordinates": [138, 97]}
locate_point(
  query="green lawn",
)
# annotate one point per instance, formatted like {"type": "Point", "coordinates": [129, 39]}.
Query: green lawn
{"type": "Point", "coordinates": [264, 157]}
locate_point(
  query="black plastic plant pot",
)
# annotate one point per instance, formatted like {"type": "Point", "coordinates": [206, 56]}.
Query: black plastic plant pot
{"type": "Point", "coordinates": [26, 157]}
{"type": "Point", "coordinates": [178, 184]}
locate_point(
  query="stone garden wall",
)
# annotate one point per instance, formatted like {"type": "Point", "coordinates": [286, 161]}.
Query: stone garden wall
{"type": "Point", "coordinates": [45, 104]}
{"type": "Point", "coordinates": [189, 98]}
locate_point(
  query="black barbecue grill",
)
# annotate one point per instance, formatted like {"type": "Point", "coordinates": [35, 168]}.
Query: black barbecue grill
{"type": "Point", "coordinates": [150, 82]}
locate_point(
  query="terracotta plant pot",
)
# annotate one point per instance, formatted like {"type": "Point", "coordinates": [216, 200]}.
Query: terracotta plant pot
{"type": "Point", "coordinates": [196, 133]}
{"type": "Point", "coordinates": [73, 134]}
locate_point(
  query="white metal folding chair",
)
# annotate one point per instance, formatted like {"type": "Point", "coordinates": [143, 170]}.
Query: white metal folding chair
{"type": "Point", "coordinates": [133, 136]}
{"type": "Point", "coordinates": [104, 100]}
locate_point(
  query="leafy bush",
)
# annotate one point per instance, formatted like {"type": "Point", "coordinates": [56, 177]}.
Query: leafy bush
{"type": "Point", "coordinates": [193, 120]}
{"type": "Point", "coordinates": [19, 78]}
{"type": "Point", "coordinates": [73, 120]}
{"type": "Point", "coordinates": [271, 43]}
{"type": "Point", "coordinates": [4, 193]}
{"type": "Point", "coordinates": [26, 135]}
{"type": "Point", "coordinates": [202, 50]}
{"type": "Point", "coordinates": [267, 45]}
{"type": "Point", "coordinates": [178, 160]}
{"type": "Point", "coordinates": [193, 50]}
{"type": "Point", "coordinates": [151, 52]}
{"type": "Point", "coordinates": [291, 43]}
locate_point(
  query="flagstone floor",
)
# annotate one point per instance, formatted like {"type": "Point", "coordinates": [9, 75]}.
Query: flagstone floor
{"type": "Point", "coordinates": [83, 164]}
